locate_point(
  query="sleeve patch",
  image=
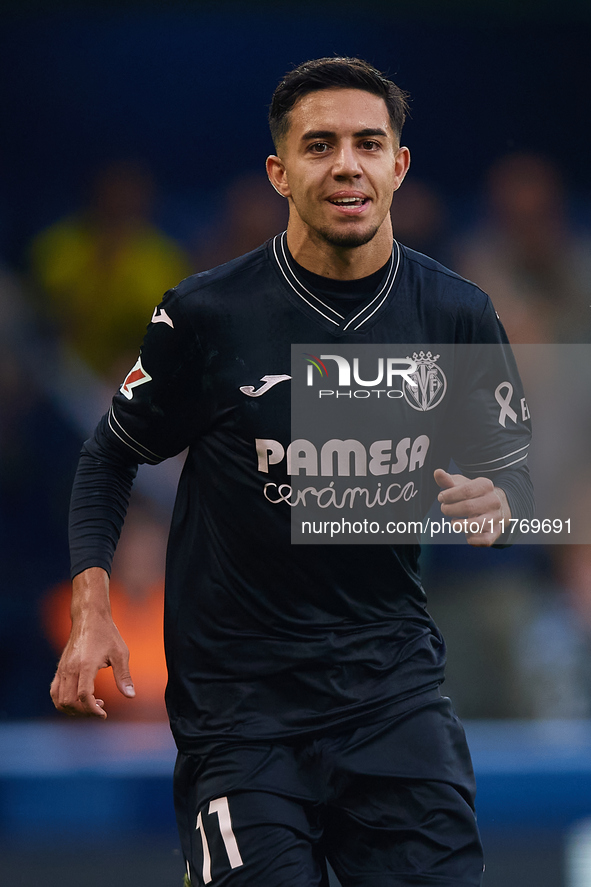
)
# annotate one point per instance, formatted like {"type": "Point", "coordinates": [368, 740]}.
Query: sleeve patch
{"type": "Point", "coordinates": [136, 376]}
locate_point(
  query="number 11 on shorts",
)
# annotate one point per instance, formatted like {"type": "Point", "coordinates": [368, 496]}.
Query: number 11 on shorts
{"type": "Point", "coordinates": [219, 806]}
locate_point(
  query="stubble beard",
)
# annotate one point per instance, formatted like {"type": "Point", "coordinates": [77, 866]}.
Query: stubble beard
{"type": "Point", "coordinates": [347, 239]}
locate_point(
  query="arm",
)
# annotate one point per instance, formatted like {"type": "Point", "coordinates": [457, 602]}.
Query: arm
{"type": "Point", "coordinates": [148, 422]}
{"type": "Point", "coordinates": [477, 500]}
{"type": "Point", "coordinates": [492, 431]}
{"type": "Point", "coordinates": [100, 495]}
{"type": "Point", "coordinates": [94, 643]}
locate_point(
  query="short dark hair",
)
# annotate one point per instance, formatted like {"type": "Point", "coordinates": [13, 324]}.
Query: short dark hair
{"type": "Point", "coordinates": [334, 73]}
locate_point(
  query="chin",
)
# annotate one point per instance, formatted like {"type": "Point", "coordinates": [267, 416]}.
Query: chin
{"type": "Point", "coordinates": [349, 239]}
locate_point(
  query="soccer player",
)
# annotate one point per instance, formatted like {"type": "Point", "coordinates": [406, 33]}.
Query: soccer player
{"type": "Point", "coordinates": [303, 688]}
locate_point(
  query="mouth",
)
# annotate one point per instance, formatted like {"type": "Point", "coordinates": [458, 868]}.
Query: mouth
{"type": "Point", "coordinates": [349, 204]}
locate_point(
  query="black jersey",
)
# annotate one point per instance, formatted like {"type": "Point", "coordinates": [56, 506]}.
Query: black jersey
{"type": "Point", "coordinates": [264, 639]}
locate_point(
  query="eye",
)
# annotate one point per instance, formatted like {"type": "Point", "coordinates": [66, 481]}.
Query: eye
{"type": "Point", "coordinates": [370, 145]}
{"type": "Point", "coordinates": [318, 147]}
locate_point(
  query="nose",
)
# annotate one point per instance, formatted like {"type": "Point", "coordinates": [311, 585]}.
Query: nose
{"type": "Point", "coordinates": [346, 162]}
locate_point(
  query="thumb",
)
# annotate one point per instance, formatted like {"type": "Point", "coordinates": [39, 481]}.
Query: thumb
{"type": "Point", "coordinates": [443, 479]}
{"type": "Point", "coordinates": [122, 676]}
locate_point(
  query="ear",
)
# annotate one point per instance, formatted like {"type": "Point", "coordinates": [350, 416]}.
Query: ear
{"type": "Point", "coordinates": [278, 175]}
{"type": "Point", "coordinates": [401, 165]}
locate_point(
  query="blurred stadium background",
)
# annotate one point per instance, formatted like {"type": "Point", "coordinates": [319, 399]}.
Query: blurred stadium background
{"type": "Point", "coordinates": [134, 136]}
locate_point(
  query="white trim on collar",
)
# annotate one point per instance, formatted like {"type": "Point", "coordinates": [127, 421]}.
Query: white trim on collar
{"type": "Point", "coordinates": [366, 312]}
{"type": "Point", "coordinates": [282, 238]}
{"type": "Point", "coordinates": [383, 293]}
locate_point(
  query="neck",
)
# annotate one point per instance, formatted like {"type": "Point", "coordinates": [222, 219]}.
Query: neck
{"type": "Point", "coordinates": [315, 254]}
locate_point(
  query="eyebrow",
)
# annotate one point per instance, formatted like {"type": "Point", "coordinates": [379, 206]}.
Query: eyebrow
{"type": "Point", "coordinates": [328, 133]}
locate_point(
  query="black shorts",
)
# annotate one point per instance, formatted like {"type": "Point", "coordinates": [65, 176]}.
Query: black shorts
{"type": "Point", "coordinates": [390, 804]}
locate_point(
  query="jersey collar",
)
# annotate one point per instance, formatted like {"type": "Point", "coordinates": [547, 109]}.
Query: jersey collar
{"type": "Point", "coordinates": [316, 306]}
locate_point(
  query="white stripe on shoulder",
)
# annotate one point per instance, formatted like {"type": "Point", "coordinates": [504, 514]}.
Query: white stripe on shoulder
{"type": "Point", "coordinates": [129, 441]}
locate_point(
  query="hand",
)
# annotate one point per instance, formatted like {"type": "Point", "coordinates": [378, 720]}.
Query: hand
{"type": "Point", "coordinates": [477, 501]}
{"type": "Point", "coordinates": [94, 643]}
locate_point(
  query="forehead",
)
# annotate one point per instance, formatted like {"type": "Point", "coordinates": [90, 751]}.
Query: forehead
{"type": "Point", "coordinates": [340, 111]}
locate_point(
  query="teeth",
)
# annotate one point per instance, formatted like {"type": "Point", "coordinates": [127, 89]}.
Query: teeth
{"type": "Point", "coordinates": [347, 200]}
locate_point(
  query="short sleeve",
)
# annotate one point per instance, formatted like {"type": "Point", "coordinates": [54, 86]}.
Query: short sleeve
{"type": "Point", "coordinates": [161, 405]}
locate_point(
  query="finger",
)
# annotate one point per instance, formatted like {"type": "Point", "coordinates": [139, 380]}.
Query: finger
{"type": "Point", "coordinates": [455, 487]}
{"type": "Point", "coordinates": [72, 706]}
{"type": "Point", "coordinates": [66, 697]}
{"type": "Point", "coordinates": [58, 700]}
{"type": "Point", "coordinates": [63, 700]}
{"type": "Point", "coordinates": [120, 664]}
{"type": "Point", "coordinates": [443, 479]}
{"type": "Point", "coordinates": [466, 489]}
{"type": "Point", "coordinates": [87, 704]}
{"type": "Point", "coordinates": [478, 508]}
{"type": "Point", "coordinates": [88, 707]}
{"type": "Point", "coordinates": [489, 530]}
{"type": "Point", "coordinates": [482, 540]}
{"type": "Point", "coordinates": [54, 689]}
